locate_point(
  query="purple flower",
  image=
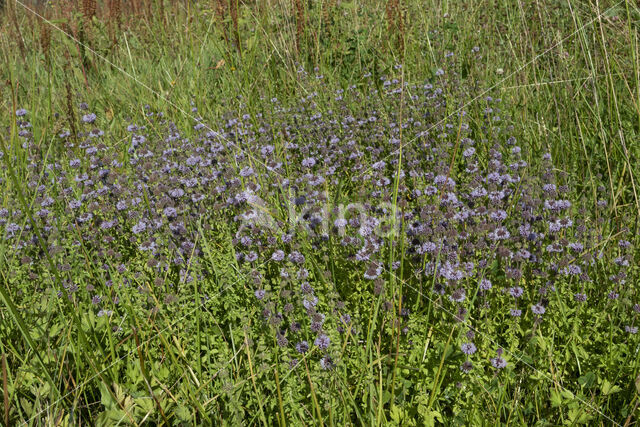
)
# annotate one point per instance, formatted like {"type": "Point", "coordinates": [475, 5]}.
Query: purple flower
{"type": "Point", "coordinates": [516, 291]}
{"type": "Point", "coordinates": [89, 118]}
{"type": "Point", "coordinates": [85, 217]}
{"type": "Point", "coordinates": [278, 255]}
{"type": "Point", "coordinates": [373, 272]}
{"type": "Point", "coordinates": [170, 212]}
{"type": "Point", "coordinates": [624, 243]}
{"type": "Point", "coordinates": [267, 150]}
{"type": "Point", "coordinates": [346, 319]}
{"type": "Point", "coordinates": [340, 223]}
{"type": "Point", "coordinates": [308, 162]}
{"type": "Point", "coordinates": [20, 112]}
{"type": "Point", "coordinates": [302, 347]}
{"type": "Point", "coordinates": [498, 362]}
{"type": "Point", "coordinates": [139, 227]}
{"type": "Point", "coordinates": [310, 302]}
{"type": "Point", "coordinates": [576, 246]}
{"type": "Point", "coordinates": [259, 293]}
{"type": "Point", "coordinates": [246, 171]}
{"type": "Point", "coordinates": [12, 228]}
{"type": "Point", "coordinates": [468, 348]}
{"type": "Point", "coordinates": [538, 309]}
{"type": "Point", "coordinates": [326, 363]}
{"type": "Point", "coordinates": [282, 340]}
{"type": "Point", "coordinates": [500, 233]}
{"type": "Point", "coordinates": [322, 341]}
{"type": "Point", "coordinates": [499, 215]}
{"type": "Point", "coordinates": [554, 227]}
{"type": "Point", "coordinates": [295, 327]}
{"type": "Point", "coordinates": [458, 295]}
{"type": "Point", "coordinates": [296, 257]}
{"type": "Point", "coordinates": [485, 284]}
{"type": "Point", "coordinates": [469, 152]}
{"type": "Point", "coordinates": [176, 193]}
{"type": "Point", "coordinates": [105, 225]}
{"type": "Point", "coordinates": [565, 222]}
{"type": "Point", "coordinates": [573, 270]}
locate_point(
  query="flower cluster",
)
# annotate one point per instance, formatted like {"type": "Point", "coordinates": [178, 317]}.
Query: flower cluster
{"type": "Point", "coordinates": [311, 193]}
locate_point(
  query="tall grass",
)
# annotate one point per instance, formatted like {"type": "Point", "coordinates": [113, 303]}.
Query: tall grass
{"type": "Point", "coordinates": [569, 70]}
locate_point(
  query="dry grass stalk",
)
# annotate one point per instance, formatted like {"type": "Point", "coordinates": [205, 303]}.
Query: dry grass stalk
{"type": "Point", "coordinates": [149, 11]}
{"type": "Point", "coordinates": [89, 9]}
{"type": "Point", "coordinates": [395, 22]}
{"type": "Point", "coordinates": [65, 10]}
{"type": "Point", "coordinates": [299, 9]}
{"type": "Point", "coordinates": [134, 7]}
{"type": "Point", "coordinates": [114, 18]}
{"type": "Point", "coordinates": [71, 117]}
{"type": "Point", "coordinates": [161, 10]}
{"type": "Point", "coordinates": [401, 32]}
{"type": "Point", "coordinates": [233, 11]}
{"type": "Point", "coordinates": [220, 9]}
{"type": "Point", "coordinates": [11, 12]}
{"type": "Point", "coordinates": [327, 15]}
{"type": "Point", "coordinates": [45, 37]}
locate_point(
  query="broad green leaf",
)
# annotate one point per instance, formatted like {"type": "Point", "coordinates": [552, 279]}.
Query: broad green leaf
{"type": "Point", "coordinates": [607, 388]}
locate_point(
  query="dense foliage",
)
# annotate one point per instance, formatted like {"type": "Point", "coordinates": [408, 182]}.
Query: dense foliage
{"type": "Point", "coordinates": [388, 247]}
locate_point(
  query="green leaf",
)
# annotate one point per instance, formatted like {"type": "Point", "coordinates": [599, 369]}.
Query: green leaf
{"type": "Point", "coordinates": [27, 406]}
{"type": "Point", "coordinates": [182, 413]}
{"type": "Point", "coordinates": [587, 380]}
{"type": "Point", "coordinates": [105, 397]}
{"type": "Point", "coordinates": [145, 405]}
{"type": "Point", "coordinates": [429, 416]}
{"type": "Point", "coordinates": [567, 394]}
{"type": "Point", "coordinates": [608, 389]}
{"type": "Point", "coordinates": [395, 414]}
{"type": "Point", "coordinates": [556, 399]}
{"type": "Point", "coordinates": [55, 330]}
{"type": "Point", "coordinates": [579, 416]}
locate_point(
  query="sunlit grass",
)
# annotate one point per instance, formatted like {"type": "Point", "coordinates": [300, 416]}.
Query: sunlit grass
{"type": "Point", "coordinates": [568, 75]}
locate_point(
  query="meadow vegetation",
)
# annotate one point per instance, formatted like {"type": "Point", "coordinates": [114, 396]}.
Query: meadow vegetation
{"type": "Point", "coordinates": [319, 212]}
